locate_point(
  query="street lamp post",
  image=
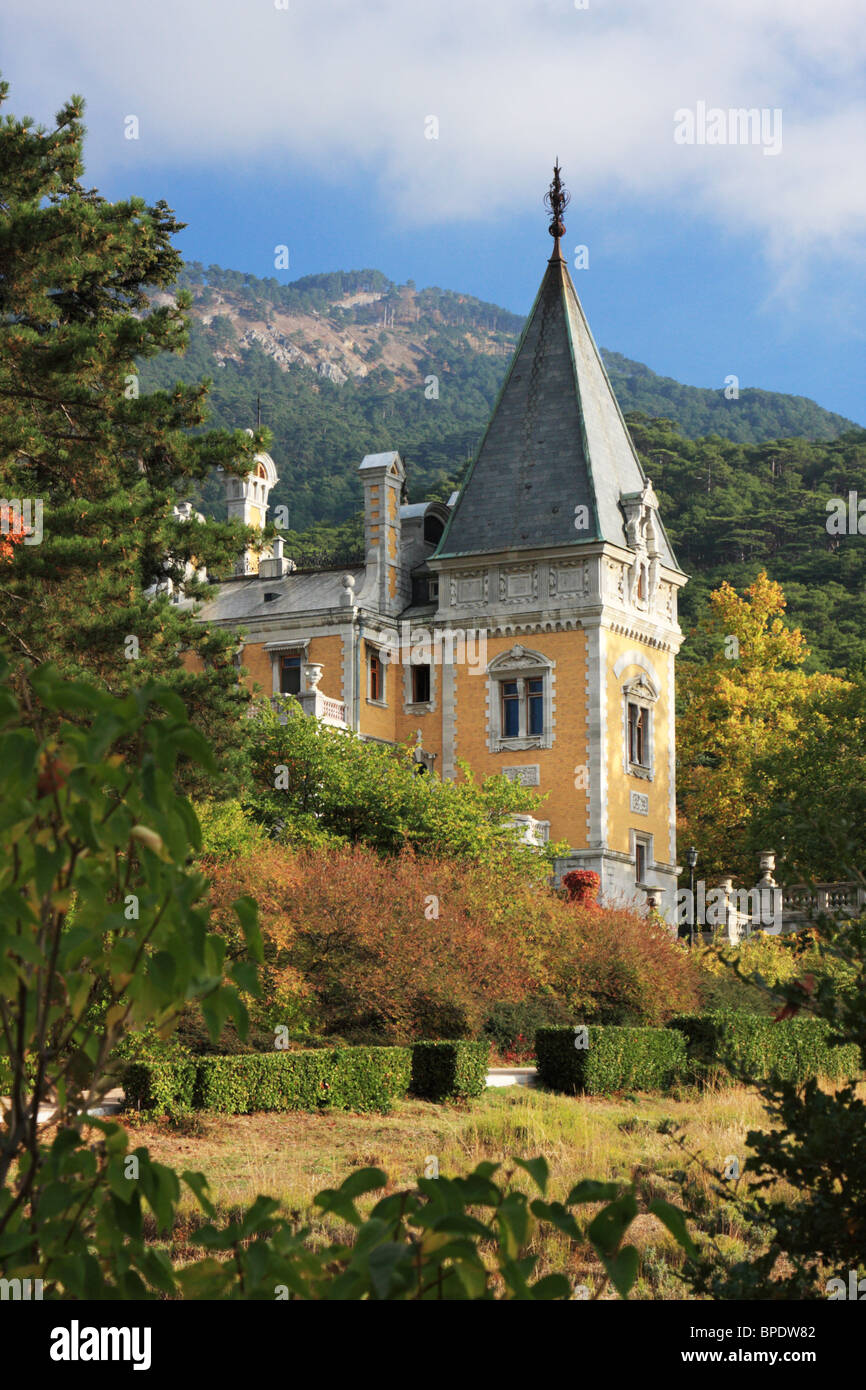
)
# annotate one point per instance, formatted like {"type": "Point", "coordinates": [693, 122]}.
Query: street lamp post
{"type": "Point", "coordinates": [691, 860]}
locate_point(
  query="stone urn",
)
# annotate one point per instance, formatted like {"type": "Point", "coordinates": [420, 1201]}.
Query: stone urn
{"type": "Point", "coordinates": [312, 675]}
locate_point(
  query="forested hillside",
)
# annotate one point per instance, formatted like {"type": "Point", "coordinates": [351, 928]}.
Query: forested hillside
{"type": "Point", "coordinates": [349, 363]}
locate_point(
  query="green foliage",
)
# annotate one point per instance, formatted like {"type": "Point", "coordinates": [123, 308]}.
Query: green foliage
{"type": "Point", "coordinates": [80, 825]}
{"type": "Point", "coordinates": [511, 1025]}
{"type": "Point", "coordinates": [616, 1059]}
{"type": "Point", "coordinates": [813, 1146]}
{"type": "Point", "coordinates": [304, 774]}
{"type": "Point", "coordinates": [732, 510]}
{"type": "Point", "coordinates": [448, 1238]}
{"type": "Point", "coordinates": [754, 1047]}
{"type": "Point", "coordinates": [324, 1077]}
{"type": "Point", "coordinates": [352, 1078]}
{"type": "Point", "coordinates": [811, 794]}
{"type": "Point", "coordinates": [449, 1070]}
{"type": "Point", "coordinates": [743, 706]}
{"type": "Point", "coordinates": [227, 832]}
{"type": "Point", "coordinates": [165, 1087]}
{"type": "Point", "coordinates": [106, 463]}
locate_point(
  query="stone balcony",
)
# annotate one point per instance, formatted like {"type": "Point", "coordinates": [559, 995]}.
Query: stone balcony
{"type": "Point", "coordinates": [323, 708]}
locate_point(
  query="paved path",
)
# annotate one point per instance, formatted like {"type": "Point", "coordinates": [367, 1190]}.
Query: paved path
{"type": "Point", "coordinates": [512, 1076]}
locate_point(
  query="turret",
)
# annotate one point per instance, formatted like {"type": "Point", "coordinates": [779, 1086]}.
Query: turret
{"type": "Point", "coordinates": [247, 502]}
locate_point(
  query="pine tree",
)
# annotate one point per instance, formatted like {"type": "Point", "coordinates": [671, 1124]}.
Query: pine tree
{"type": "Point", "coordinates": [88, 465]}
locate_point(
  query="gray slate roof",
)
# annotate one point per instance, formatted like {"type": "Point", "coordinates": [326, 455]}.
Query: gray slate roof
{"type": "Point", "coordinates": [556, 440]}
{"type": "Point", "coordinates": [298, 593]}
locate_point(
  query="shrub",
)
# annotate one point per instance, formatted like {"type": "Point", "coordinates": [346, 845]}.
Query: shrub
{"type": "Point", "coordinates": [355, 1078]}
{"type": "Point", "coordinates": [226, 830]}
{"type": "Point", "coordinates": [449, 1070]}
{"type": "Point", "coordinates": [808, 1159]}
{"type": "Point", "coordinates": [582, 886]}
{"type": "Point", "coordinates": [512, 1026]}
{"type": "Point", "coordinates": [349, 948]}
{"type": "Point", "coordinates": [369, 793]}
{"type": "Point", "coordinates": [615, 1059]}
{"type": "Point", "coordinates": [166, 1087]}
{"type": "Point", "coordinates": [757, 1048]}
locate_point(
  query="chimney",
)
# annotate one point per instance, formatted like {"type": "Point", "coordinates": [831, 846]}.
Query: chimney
{"type": "Point", "coordinates": [383, 476]}
{"type": "Point", "coordinates": [275, 566]}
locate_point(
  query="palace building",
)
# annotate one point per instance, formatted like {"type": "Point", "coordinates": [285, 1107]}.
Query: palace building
{"type": "Point", "coordinates": [528, 627]}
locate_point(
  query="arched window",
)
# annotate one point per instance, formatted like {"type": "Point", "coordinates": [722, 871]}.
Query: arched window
{"type": "Point", "coordinates": [639, 697]}
{"type": "Point", "coordinates": [520, 700]}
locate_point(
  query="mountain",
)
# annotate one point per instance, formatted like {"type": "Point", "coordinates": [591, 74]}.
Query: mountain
{"type": "Point", "coordinates": [349, 363]}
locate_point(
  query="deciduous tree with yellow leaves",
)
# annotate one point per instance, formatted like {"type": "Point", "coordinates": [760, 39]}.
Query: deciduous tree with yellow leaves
{"type": "Point", "coordinates": [738, 713]}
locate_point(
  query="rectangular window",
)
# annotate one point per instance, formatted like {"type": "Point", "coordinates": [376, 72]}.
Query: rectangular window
{"type": "Point", "coordinates": [420, 684]}
{"type": "Point", "coordinates": [290, 675]}
{"type": "Point", "coordinates": [432, 589]}
{"type": "Point", "coordinates": [510, 710]}
{"type": "Point", "coordinates": [535, 706]}
{"type": "Point", "coordinates": [376, 682]}
{"type": "Point", "coordinates": [638, 742]}
{"type": "Point", "coordinates": [640, 861]}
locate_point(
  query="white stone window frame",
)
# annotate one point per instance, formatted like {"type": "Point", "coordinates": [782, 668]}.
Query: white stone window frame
{"type": "Point", "coordinates": [641, 837]}
{"type": "Point", "coordinates": [371, 649]}
{"type": "Point", "coordinates": [642, 690]}
{"type": "Point", "coordinates": [520, 664]}
{"type": "Point", "coordinates": [411, 706]}
{"type": "Point", "coordinates": [277, 651]}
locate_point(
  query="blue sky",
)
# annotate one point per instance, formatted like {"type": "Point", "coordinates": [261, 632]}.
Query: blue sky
{"type": "Point", "coordinates": [307, 123]}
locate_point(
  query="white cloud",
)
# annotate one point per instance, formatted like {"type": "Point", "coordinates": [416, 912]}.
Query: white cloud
{"type": "Point", "coordinates": [342, 85]}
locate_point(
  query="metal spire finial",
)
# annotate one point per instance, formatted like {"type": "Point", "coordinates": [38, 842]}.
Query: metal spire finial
{"type": "Point", "coordinates": [556, 200]}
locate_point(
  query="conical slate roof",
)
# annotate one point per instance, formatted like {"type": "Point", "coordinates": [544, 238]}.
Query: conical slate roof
{"type": "Point", "coordinates": [556, 441]}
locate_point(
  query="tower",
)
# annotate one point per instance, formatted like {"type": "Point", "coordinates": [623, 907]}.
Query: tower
{"type": "Point", "coordinates": [556, 546]}
{"type": "Point", "coordinates": [247, 502]}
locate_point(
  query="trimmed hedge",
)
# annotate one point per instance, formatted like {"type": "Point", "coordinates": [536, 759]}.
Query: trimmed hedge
{"type": "Point", "coordinates": [349, 1078]}
{"type": "Point", "coordinates": [757, 1048]}
{"type": "Point", "coordinates": [617, 1058]}
{"type": "Point", "coordinates": [166, 1087]}
{"type": "Point", "coordinates": [449, 1070]}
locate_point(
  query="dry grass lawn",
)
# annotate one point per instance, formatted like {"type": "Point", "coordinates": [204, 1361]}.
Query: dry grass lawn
{"type": "Point", "coordinates": [294, 1156]}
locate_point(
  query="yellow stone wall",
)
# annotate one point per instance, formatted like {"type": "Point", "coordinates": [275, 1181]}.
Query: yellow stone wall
{"type": "Point", "coordinates": [377, 721]}
{"type": "Point", "coordinates": [620, 818]}
{"type": "Point", "coordinates": [565, 807]}
{"type": "Point", "coordinates": [258, 662]}
{"type": "Point", "coordinates": [566, 804]}
{"type": "Point", "coordinates": [430, 724]}
{"type": "Point", "coordinates": [327, 651]}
